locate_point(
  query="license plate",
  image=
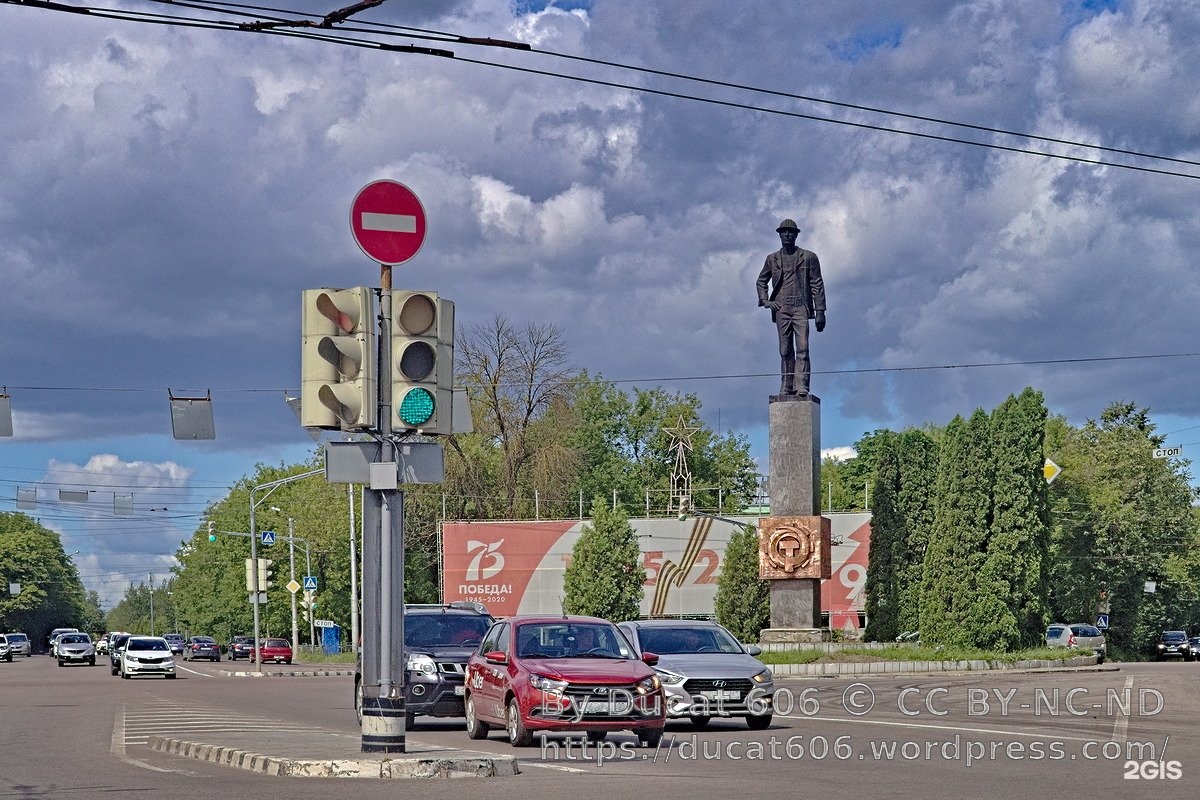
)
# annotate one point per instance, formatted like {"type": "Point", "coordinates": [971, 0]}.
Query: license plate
{"type": "Point", "coordinates": [597, 707]}
{"type": "Point", "coordinates": [721, 694]}
{"type": "Point", "coordinates": [460, 690]}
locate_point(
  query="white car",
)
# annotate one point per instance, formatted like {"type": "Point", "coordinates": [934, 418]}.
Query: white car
{"type": "Point", "coordinates": [146, 655]}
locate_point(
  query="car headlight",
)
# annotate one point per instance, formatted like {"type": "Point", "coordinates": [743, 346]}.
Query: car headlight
{"type": "Point", "coordinates": [552, 685]}
{"type": "Point", "coordinates": [766, 676]}
{"type": "Point", "coordinates": [1162, 646]}
{"type": "Point", "coordinates": [669, 678]}
{"type": "Point", "coordinates": [421, 663]}
{"type": "Point", "coordinates": [649, 685]}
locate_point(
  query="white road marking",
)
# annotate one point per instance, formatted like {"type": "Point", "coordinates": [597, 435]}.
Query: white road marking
{"type": "Point", "coordinates": [1121, 726]}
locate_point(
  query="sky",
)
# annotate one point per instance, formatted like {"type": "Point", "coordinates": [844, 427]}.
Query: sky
{"type": "Point", "coordinates": [167, 193]}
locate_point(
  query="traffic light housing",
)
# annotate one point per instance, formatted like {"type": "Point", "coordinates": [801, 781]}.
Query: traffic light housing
{"type": "Point", "coordinates": [266, 574]}
{"type": "Point", "coordinates": [337, 365]}
{"type": "Point", "coordinates": [422, 369]}
{"type": "Point", "coordinates": [212, 531]}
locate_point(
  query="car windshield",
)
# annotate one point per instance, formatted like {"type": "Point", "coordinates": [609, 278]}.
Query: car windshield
{"type": "Point", "coordinates": [17, 637]}
{"type": "Point", "coordinates": [146, 644]}
{"type": "Point", "coordinates": [571, 640]}
{"type": "Point", "coordinates": [1055, 632]}
{"type": "Point", "coordinates": [74, 638]}
{"type": "Point", "coordinates": [276, 643]}
{"type": "Point", "coordinates": [204, 640]}
{"type": "Point", "coordinates": [1174, 636]}
{"type": "Point", "coordinates": [1085, 630]}
{"type": "Point", "coordinates": [687, 639]}
{"type": "Point", "coordinates": [444, 630]}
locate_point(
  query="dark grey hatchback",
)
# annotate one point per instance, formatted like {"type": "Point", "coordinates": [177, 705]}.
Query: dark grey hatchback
{"type": "Point", "coordinates": [201, 647]}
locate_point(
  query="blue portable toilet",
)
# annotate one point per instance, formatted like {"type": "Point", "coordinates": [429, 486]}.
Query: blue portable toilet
{"type": "Point", "coordinates": [331, 639]}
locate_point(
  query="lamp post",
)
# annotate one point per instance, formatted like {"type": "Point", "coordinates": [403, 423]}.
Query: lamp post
{"type": "Point", "coordinates": [267, 488]}
{"type": "Point", "coordinates": [151, 603]}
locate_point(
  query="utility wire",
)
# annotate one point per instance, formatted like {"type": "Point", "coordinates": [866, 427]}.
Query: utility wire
{"type": "Point", "coordinates": [275, 29]}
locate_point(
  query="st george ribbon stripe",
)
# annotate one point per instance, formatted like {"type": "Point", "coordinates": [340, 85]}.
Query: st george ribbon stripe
{"type": "Point", "coordinates": [392, 223]}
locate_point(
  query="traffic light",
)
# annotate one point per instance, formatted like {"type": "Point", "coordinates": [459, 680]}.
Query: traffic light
{"type": "Point", "coordinates": [422, 362]}
{"type": "Point", "coordinates": [266, 574]}
{"type": "Point", "coordinates": [249, 575]}
{"type": "Point", "coordinates": [337, 365]}
{"type": "Point", "coordinates": [212, 531]}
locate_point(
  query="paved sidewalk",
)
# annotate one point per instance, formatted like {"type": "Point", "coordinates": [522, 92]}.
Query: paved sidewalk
{"type": "Point", "coordinates": [329, 754]}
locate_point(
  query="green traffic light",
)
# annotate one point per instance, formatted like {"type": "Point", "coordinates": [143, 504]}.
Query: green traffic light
{"type": "Point", "coordinates": [417, 407]}
{"type": "Point", "coordinates": [212, 537]}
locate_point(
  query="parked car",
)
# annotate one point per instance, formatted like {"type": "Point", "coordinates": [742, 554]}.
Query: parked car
{"type": "Point", "coordinates": [565, 673]}
{"type": "Point", "coordinates": [438, 640]}
{"type": "Point", "coordinates": [5, 649]}
{"type": "Point", "coordinates": [706, 671]}
{"type": "Point", "coordinates": [147, 655]}
{"type": "Point", "coordinates": [240, 647]}
{"type": "Point", "coordinates": [175, 640]}
{"type": "Point", "coordinates": [19, 645]}
{"type": "Point", "coordinates": [1078, 636]}
{"type": "Point", "coordinates": [116, 643]}
{"type": "Point", "coordinates": [1173, 644]}
{"type": "Point", "coordinates": [53, 640]}
{"type": "Point", "coordinates": [75, 648]}
{"type": "Point", "coordinates": [277, 650]}
{"type": "Point", "coordinates": [201, 647]}
{"type": "Point", "coordinates": [1193, 645]}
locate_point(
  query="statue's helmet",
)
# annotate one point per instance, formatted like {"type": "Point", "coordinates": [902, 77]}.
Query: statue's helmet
{"type": "Point", "coordinates": [786, 225]}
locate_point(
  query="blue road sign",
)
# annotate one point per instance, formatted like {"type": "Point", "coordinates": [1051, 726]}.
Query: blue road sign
{"type": "Point", "coordinates": [267, 537]}
{"type": "Point", "coordinates": [310, 583]}
{"type": "Point", "coordinates": [1102, 621]}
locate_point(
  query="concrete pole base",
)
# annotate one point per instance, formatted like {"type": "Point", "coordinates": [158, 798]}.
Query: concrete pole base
{"type": "Point", "coordinates": [383, 725]}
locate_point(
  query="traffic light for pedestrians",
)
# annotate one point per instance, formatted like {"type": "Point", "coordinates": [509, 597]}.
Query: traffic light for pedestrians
{"type": "Point", "coordinates": [337, 363]}
{"type": "Point", "coordinates": [266, 574]}
{"type": "Point", "coordinates": [422, 367]}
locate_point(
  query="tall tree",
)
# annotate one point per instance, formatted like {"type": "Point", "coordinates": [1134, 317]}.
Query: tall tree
{"type": "Point", "coordinates": [605, 577]}
{"type": "Point", "coordinates": [918, 464]}
{"type": "Point", "coordinates": [882, 589]}
{"type": "Point", "coordinates": [743, 601]}
{"type": "Point", "coordinates": [51, 593]}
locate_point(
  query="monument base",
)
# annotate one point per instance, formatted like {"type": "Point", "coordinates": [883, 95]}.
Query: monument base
{"type": "Point", "coordinates": [796, 603]}
{"type": "Point", "coordinates": [793, 636]}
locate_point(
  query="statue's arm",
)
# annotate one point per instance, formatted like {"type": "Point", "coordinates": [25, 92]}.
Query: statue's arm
{"type": "Point", "coordinates": [764, 277]}
{"type": "Point", "coordinates": [816, 284]}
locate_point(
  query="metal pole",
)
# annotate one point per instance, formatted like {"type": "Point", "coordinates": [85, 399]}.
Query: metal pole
{"type": "Point", "coordinates": [353, 572]}
{"type": "Point", "coordinates": [151, 603]}
{"type": "Point", "coordinates": [254, 585]}
{"type": "Point", "coordinates": [292, 572]}
{"type": "Point", "coordinates": [312, 625]}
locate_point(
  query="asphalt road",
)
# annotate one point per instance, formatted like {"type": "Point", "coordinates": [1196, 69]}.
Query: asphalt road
{"type": "Point", "coordinates": [77, 730]}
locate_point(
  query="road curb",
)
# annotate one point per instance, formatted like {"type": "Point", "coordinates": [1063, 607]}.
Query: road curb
{"type": "Point", "coordinates": [895, 667]}
{"type": "Point", "coordinates": [311, 673]}
{"type": "Point", "coordinates": [399, 767]}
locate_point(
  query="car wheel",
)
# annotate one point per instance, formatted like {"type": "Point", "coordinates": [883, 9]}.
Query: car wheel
{"type": "Point", "coordinates": [217, 659]}
{"type": "Point", "coordinates": [475, 728]}
{"type": "Point", "coordinates": [124, 674]}
{"type": "Point", "coordinates": [758, 722]}
{"type": "Point", "coordinates": [700, 720]}
{"type": "Point", "coordinates": [92, 661]}
{"type": "Point", "coordinates": [518, 734]}
{"type": "Point", "coordinates": [60, 662]}
{"type": "Point", "coordinates": [410, 720]}
{"type": "Point", "coordinates": [171, 676]}
{"type": "Point", "coordinates": [595, 737]}
{"type": "Point", "coordinates": [650, 738]}
{"type": "Point", "coordinates": [114, 671]}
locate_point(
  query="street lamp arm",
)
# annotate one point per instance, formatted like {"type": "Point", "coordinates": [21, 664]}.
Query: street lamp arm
{"type": "Point", "coordinates": [693, 513]}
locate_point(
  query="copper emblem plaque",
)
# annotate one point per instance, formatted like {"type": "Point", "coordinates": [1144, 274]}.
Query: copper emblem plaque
{"type": "Point", "coordinates": [794, 547]}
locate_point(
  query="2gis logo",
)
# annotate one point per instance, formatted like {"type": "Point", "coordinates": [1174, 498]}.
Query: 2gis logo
{"type": "Point", "coordinates": [478, 570]}
{"type": "Point", "coordinates": [1152, 770]}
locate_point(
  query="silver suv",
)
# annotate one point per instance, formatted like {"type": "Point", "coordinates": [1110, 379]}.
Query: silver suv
{"type": "Point", "coordinates": [5, 652]}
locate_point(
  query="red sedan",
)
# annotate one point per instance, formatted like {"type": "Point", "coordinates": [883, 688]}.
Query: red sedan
{"type": "Point", "coordinates": [533, 674]}
{"type": "Point", "coordinates": [277, 650]}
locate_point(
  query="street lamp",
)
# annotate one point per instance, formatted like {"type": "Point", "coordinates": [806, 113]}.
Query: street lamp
{"type": "Point", "coordinates": [269, 487]}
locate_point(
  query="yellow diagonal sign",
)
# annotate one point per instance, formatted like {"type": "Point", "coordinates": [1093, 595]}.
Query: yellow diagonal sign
{"type": "Point", "coordinates": [1050, 470]}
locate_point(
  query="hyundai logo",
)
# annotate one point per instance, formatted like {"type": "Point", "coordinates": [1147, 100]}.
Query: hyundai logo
{"type": "Point", "coordinates": [718, 683]}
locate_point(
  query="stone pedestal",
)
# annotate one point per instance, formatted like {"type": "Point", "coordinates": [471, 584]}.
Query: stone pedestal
{"type": "Point", "coordinates": [795, 486]}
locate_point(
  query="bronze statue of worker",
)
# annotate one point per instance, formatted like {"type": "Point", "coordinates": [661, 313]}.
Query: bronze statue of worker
{"type": "Point", "coordinates": [796, 294]}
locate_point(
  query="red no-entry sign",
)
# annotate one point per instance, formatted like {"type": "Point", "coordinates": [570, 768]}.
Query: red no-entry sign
{"type": "Point", "coordinates": [388, 222]}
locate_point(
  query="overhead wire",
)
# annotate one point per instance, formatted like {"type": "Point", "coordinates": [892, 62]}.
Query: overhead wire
{"type": "Point", "coordinates": [272, 27]}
